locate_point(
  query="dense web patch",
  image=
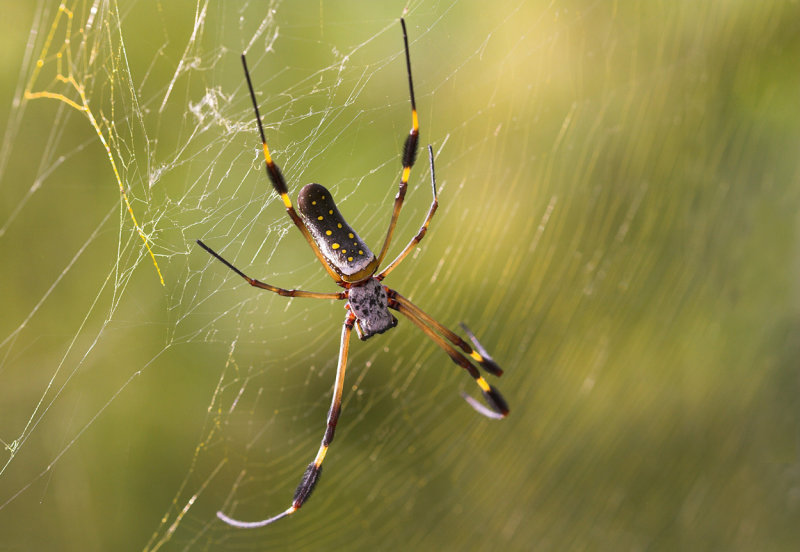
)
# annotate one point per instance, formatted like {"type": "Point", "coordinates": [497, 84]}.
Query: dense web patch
{"type": "Point", "coordinates": [617, 223]}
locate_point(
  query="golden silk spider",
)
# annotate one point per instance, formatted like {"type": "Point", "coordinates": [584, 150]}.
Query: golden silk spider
{"type": "Point", "coordinates": [353, 266]}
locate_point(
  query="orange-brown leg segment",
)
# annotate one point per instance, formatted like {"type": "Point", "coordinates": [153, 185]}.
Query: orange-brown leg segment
{"type": "Point", "coordinates": [409, 153]}
{"type": "Point", "coordinates": [480, 355]}
{"type": "Point", "coordinates": [279, 183]}
{"type": "Point", "coordinates": [269, 287]}
{"type": "Point", "coordinates": [498, 408]}
{"type": "Point", "coordinates": [422, 231]}
{"type": "Point", "coordinates": [314, 469]}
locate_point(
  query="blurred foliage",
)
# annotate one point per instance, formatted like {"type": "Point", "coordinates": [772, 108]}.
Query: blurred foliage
{"type": "Point", "coordinates": [619, 225]}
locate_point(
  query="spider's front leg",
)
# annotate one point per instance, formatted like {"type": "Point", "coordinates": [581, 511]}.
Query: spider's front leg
{"type": "Point", "coordinates": [314, 469]}
{"type": "Point", "coordinates": [498, 407]}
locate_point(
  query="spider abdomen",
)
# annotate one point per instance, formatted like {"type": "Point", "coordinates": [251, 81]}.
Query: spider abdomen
{"type": "Point", "coordinates": [370, 305]}
{"type": "Point", "coordinates": [342, 248]}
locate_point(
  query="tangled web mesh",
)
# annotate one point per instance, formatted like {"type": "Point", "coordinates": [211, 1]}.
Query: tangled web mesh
{"type": "Point", "coordinates": [617, 223]}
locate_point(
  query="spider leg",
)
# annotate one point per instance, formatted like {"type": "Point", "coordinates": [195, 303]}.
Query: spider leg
{"type": "Point", "coordinates": [279, 183]}
{"type": "Point", "coordinates": [312, 473]}
{"type": "Point", "coordinates": [409, 153]}
{"type": "Point", "coordinates": [422, 231]}
{"type": "Point", "coordinates": [480, 356]}
{"type": "Point", "coordinates": [269, 287]}
{"type": "Point", "coordinates": [498, 408]}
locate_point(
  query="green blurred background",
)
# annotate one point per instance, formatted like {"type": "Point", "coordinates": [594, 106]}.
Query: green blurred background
{"type": "Point", "coordinates": [618, 224]}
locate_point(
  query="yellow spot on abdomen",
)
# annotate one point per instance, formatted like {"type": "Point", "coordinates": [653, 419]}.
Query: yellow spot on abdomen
{"type": "Point", "coordinates": [328, 232]}
{"type": "Point", "coordinates": [335, 245]}
{"type": "Point", "coordinates": [319, 217]}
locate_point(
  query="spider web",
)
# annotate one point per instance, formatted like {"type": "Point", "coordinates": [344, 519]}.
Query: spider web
{"type": "Point", "coordinates": [617, 223]}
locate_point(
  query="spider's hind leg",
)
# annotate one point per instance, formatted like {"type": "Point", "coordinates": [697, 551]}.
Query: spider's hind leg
{"type": "Point", "coordinates": [409, 153]}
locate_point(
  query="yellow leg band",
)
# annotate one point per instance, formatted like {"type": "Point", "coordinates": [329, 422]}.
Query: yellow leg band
{"type": "Point", "coordinates": [320, 456]}
{"type": "Point", "coordinates": [267, 156]}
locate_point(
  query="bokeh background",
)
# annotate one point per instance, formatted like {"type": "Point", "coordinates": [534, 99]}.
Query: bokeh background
{"type": "Point", "coordinates": [618, 223]}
